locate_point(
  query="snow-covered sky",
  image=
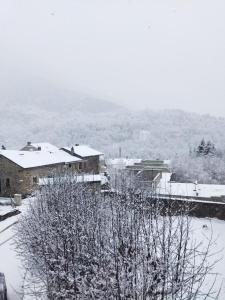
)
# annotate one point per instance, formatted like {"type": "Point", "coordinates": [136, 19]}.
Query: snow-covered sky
{"type": "Point", "coordinates": [139, 53]}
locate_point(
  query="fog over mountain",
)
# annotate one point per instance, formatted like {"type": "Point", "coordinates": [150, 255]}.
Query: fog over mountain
{"type": "Point", "coordinates": [136, 53]}
{"type": "Point", "coordinates": [34, 93]}
{"type": "Point", "coordinates": [43, 112]}
{"type": "Point", "coordinates": [113, 74]}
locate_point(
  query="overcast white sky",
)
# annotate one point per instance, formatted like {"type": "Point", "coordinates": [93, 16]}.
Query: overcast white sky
{"type": "Point", "coordinates": [141, 53]}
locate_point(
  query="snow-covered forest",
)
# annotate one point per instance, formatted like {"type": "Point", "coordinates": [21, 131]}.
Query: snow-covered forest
{"type": "Point", "coordinates": [161, 134]}
{"type": "Point", "coordinates": [65, 117]}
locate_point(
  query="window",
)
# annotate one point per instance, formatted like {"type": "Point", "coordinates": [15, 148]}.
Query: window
{"type": "Point", "coordinates": [80, 166]}
{"type": "Point", "coordinates": [7, 183]}
{"type": "Point", "coordinates": [35, 180]}
{"type": "Point", "coordinates": [69, 165]}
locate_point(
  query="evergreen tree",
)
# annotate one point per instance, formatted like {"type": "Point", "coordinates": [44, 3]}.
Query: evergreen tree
{"type": "Point", "coordinates": [206, 149]}
{"type": "Point", "coordinates": [210, 149]}
{"type": "Point", "coordinates": [201, 149]}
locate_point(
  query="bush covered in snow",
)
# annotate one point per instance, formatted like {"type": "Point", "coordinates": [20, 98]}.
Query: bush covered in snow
{"type": "Point", "coordinates": [82, 245]}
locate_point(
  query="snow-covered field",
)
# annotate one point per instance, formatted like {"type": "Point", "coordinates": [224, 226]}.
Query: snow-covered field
{"type": "Point", "coordinates": [5, 209]}
{"type": "Point", "coordinates": [189, 189]}
{"type": "Point", "coordinates": [202, 233]}
{"type": "Point", "coordinates": [10, 264]}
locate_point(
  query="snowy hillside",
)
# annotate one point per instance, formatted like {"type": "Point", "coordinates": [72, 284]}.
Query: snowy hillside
{"type": "Point", "coordinates": [146, 134]}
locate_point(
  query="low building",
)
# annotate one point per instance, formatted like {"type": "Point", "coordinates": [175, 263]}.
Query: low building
{"type": "Point", "coordinates": [20, 171]}
{"type": "Point", "coordinates": [90, 157]}
{"type": "Point", "coordinates": [149, 172]}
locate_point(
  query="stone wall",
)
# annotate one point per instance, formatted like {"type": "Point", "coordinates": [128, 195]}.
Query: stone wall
{"type": "Point", "coordinates": [90, 164]}
{"type": "Point", "coordinates": [195, 209]}
{"type": "Point", "coordinates": [30, 177]}
{"type": "Point", "coordinates": [12, 172]}
{"type": "Point", "coordinates": [25, 181]}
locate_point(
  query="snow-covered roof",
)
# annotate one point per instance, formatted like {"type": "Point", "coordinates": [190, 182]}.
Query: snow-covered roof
{"type": "Point", "coordinates": [78, 178]}
{"type": "Point", "coordinates": [32, 159]}
{"type": "Point", "coordinates": [189, 189]}
{"type": "Point", "coordinates": [122, 163]}
{"type": "Point", "coordinates": [45, 146]}
{"type": "Point", "coordinates": [83, 150]}
{"type": "Point", "coordinates": [89, 178]}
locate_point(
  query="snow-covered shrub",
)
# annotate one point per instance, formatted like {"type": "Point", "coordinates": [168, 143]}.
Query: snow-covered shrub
{"type": "Point", "coordinates": [124, 245]}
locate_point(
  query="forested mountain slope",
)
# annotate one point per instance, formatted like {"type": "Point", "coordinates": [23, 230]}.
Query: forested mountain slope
{"type": "Point", "coordinates": [63, 120]}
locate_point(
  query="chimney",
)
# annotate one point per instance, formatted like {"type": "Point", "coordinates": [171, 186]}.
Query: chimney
{"type": "Point", "coordinates": [72, 150]}
{"type": "Point", "coordinates": [3, 147]}
{"type": "Point", "coordinates": [39, 148]}
{"type": "Point", "coordinates": [28, 143]}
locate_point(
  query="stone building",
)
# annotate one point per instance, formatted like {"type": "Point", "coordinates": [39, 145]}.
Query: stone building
{"type": "Point", "coordinates": [22, 170]}
{"type": "Point", "coordinates": [90, 157]}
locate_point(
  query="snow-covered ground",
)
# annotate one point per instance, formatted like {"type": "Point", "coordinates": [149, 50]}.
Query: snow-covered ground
{"type": "Point", "coordinates": [5, 209]}
{"type": "Point", "coordinates": [5, 201]}
{"type": "Point", "coordinates": [10, 264]}
{"type": "Point", "coordinates": [189, 189]}
{"type": "Point", "coordinates": [202, 233]}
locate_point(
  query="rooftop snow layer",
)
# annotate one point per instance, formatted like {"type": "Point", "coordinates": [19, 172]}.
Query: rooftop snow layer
{"type": "Point", "coordinates": [83, 150]}
{"type": "Point", "coordinates": [189, 189]}
{"type": "Point", "coordinates": [32, 159]}
{"type": "Point", "coordinates": [78, 178]}
{"type": "Point", "coordinates": [45, 146]}
{"type": "Point", "coordinates": [122, 163]}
